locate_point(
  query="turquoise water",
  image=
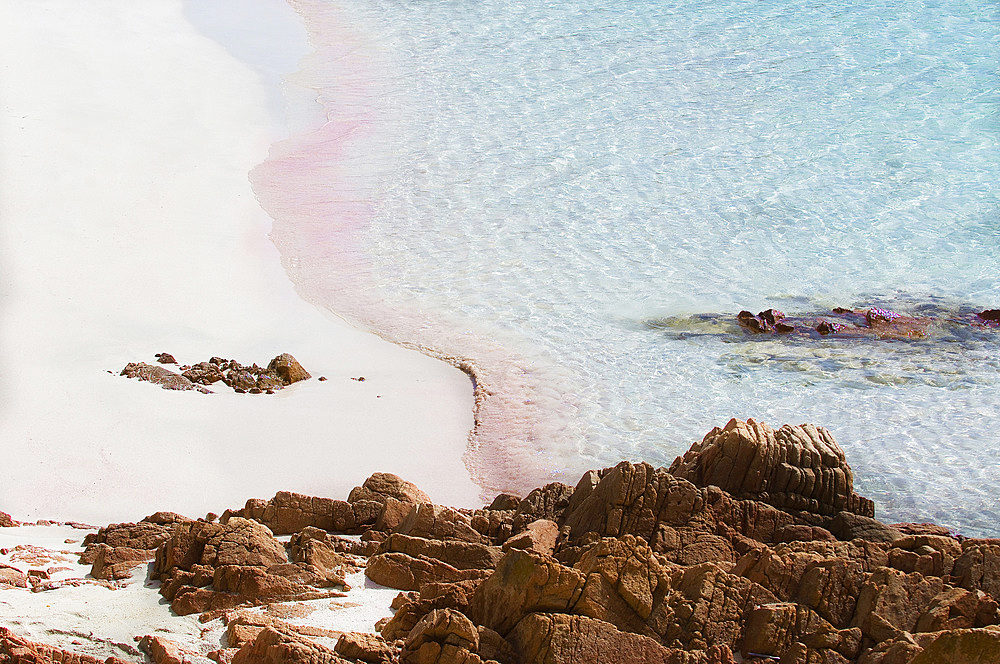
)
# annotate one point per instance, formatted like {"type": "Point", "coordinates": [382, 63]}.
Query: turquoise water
{"type": "Point", "coordinates": [559, 187]}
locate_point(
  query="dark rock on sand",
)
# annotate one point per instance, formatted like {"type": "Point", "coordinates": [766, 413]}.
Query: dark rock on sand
{"type": "Point", "coordinates": [167, 379]}
{"type": "Point", "coordinates": [282, 371]}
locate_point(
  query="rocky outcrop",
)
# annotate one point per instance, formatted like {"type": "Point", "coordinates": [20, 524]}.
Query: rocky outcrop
{"type": "Point", "coordinates": [752, 545]}
{"type": "Point", "coordinates": [6, 521]}
{"type": "Point", "coordinates": [796, 468]}
{"type": "Point", "coordinates": [116, 551]}
{"type": "Point", "coordinates": [364, 509]}
{"type": "Point", "coordinates": [241, 560]}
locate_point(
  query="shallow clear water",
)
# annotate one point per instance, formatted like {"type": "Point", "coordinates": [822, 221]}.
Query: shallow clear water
{"type": "Point", "coordinates": [578, 181]}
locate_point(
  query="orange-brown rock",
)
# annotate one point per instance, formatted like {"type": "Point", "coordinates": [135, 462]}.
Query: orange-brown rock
{"type": "Point", "coordinates": [364, 647]}
{"type": "Point", "coordinates": [204, 373]}
{"type": "Point", "coordinates": [827, 577]}
{"type": "Point", "coordinates": [315, 547]}
{"type": "Point", "coordinates": [962, 646]}
{"type": "Point", "coordinates": [117, 563]}
{"type": "Point", "coordinates": [237, 542]}
{"type": "Point", "coordinates": [287, 369]}
{"type": "Point", "coordinates": [457, 553]}
{"type": "Point", "coordinates": [165, 378]}
{"type": "Point", "coordinates": [381, 486]}
{"type": "Point", "coordinates": [798, 468]}
{"type": "Point", "coordinates": [287, 513]}
{"type": "Point", "coordinates": [773, 629]}
{"type": "Point", "coordinates": [432, 521]}
{"type": "Point", "coordinates": [978, 566]}
{"type": "Point", "coordinates": [6, 521]}
{"type": "Point", "coordinates": [540, 536]}
{"type": "Point", "coordinates": [891, 602]}
{"type": "Point", "coordinates": [404, 572]}
{"type": "Point", "coordinates": [413, 606]}
{"type": "Point", "coordinates": [443, 636]}
{"type": "Point", "coordinates": [524, 582]}
{"type": "Point", "coordinates": [11, 576]}
{"type": "Point", "coordinates": [548, 502]}
{"type": "Point", "coordinates": [165, 651]}
{"type": "Point", "coordinates": [277, 645]}
{"type": "Point", "coordinates": [17, 650]}
{"type": "Point", "coordinates": [556, 638]}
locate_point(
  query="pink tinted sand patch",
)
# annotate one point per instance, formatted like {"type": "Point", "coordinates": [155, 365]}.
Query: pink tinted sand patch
{"type": "Point", "coordinates": [320, 188]}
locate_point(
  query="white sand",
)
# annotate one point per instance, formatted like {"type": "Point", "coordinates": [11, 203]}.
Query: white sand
{"type": "Point", "coordinates": [128, 228]}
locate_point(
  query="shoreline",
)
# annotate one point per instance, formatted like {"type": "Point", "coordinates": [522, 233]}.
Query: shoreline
{"type": "Point", "coordinates": [130, 230]}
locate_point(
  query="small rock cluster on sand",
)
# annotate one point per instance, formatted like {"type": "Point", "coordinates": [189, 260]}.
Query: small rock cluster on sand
{"type": "Point", "coordinates": [753, 545]}
{"type": "Point", "coordinates": [283, 370]}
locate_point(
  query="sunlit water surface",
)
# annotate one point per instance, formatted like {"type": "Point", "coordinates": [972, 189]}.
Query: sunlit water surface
{"type": "Point", "coordinates": [580, 182]}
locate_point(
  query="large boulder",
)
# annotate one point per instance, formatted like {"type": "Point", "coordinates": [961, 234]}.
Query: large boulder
{"type": "Point", "coordinates": [524, 582]}
{"type": "Point", "coordinates": [798, 468]}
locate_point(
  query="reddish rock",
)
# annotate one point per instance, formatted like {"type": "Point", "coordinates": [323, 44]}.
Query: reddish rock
{"type": "Point", "coordinates": [523, 583]}
{"type": "Point", "coordinates": [548, 502]}
{"type": "Point", "coordinates": [167, 379]}
{"type": "Point", "coordinates": [17, 650]}
{"type": "Point", "coordinates": [436, 522]}
{"type": "Point", "coordinates": [964, 646]}
{"type": "Point", "coordinates": [797, 468]}
{"type": "Point", "coordinates": [289, 513]}
{"type": "Point", "coordinates": [443, 636]}
{"type": "Point", "coordinates": [165, 358]}
{"type": "Point", "coordinates": [978, 567]}
{"type": "Point", "coordinates": [13, 577]}
{"type": "Point", "coordinates": [165, 651]}
{"type": "Point", "coordinates": [989, 316]}
{"type": "Point", "coordinates": [276, 645]}
{"type": "Point", "coordinates": [773, 629]}
{"type": "Point", "coordinates": [404, 572]}
{"type": "Point", "coordinates": [459, 554]}
{"type": "Point", "coordinates": [364, 647]}
{"type": "Point", "coordinates": [6, 521]}
{"type": "Point", "coordinates": [287, 369]}
{"type": "Point", "coordinates": [315, 547]}
{"type": "Point", "coordinates": [554, 638]}
{"type": "Point", "coordinates": [118, 563]}
{"type": "Point", "coordinates": [382, 486]}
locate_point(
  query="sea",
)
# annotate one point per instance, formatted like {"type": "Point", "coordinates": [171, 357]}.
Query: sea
{"type": "Point", "coordinates": [572, 200]}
